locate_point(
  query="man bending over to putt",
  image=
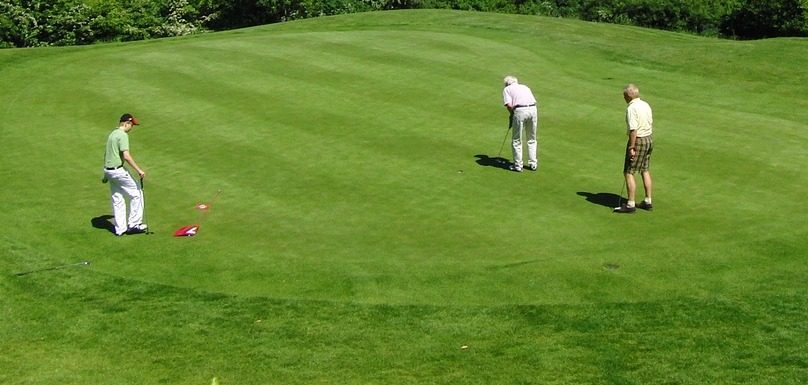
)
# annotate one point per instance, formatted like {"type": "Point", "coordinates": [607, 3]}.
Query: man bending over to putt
{"type": "Point", "coordinates": [121, 182]}
{"type": "Point", "coordinates": [521, 103]}
{"type": "Point", "coordinates": [640, 145]}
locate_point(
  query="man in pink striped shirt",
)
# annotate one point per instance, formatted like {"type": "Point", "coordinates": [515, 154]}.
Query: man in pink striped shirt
{"type": "Point", "coordinates": [521, 103]}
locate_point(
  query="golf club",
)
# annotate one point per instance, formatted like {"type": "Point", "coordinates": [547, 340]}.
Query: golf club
{"type": "Point", "coordinates": [82, 263]}
{"type": "Point", "coordinates": [623, 187]}
{"type": "Point", "coordinates": [499, 155]}
{"type": "Point", "coordinates": [620, 197]}
{"type": "Point", "coordinates": [501, 146]}
{"type": "Point", "coordinates": [143, 203]}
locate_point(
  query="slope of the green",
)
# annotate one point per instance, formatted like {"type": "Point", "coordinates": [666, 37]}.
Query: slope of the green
{"type": "Point", "coordinates": [360, 237]}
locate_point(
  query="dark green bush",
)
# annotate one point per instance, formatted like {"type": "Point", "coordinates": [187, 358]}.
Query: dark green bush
{"type": "Point", "coordinates": [755, 19]}
{"type": "Point", "coordinates": [27, 23]}
{"type": "Point", "coordinates": [19, 23]}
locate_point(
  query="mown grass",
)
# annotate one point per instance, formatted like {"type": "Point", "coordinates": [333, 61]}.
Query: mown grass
{"type": "Point", "coordinates": [358, 240]}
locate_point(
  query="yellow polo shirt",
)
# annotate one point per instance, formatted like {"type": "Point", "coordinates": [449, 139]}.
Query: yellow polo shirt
{"type": "Point", "coordinates": [639, 118]}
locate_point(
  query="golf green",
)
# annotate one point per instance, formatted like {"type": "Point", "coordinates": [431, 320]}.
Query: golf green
{"type": "Point", "coordinates": [354, 159]}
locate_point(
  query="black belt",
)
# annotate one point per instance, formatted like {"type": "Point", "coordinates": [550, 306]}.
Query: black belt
{"type": "Point", "coordinates": [112, 168]}
{"type": "Point", "coordinates": [529, 105]}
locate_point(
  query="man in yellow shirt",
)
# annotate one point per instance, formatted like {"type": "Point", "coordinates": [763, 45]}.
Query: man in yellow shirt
{"type": "Point", "coordinates": [640, 145]}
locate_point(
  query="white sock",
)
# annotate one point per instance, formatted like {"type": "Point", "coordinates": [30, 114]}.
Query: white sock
{"type": "Point", "coordinates": [647, 200]}
{"type": "Point", "coordinates": [630, 203]}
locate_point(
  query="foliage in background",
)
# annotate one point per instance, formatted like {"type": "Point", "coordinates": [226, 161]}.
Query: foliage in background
{"type": "Point", "coordinates": [28, 23]}
{"type": "Point", "coordinates": [767, 18]}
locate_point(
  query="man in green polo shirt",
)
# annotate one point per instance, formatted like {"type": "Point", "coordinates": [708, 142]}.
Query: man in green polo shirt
{"type": "Point", "coordinates": [121, 183]}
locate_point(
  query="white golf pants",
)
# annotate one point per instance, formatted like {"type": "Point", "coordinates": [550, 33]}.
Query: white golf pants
{"type": "Point", "coordinates": [122, 185]}
{"type": "Point", "coordinates": [525, 121]}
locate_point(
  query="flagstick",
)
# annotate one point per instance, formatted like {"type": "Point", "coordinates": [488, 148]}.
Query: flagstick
{"type": "Point", "coordinates": [203, 206]}
{"type": "Point", "coordinates": [201, 216]}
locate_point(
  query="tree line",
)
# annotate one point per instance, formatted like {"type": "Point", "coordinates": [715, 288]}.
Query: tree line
{"type": "Point", "coordinates": [31, 23]}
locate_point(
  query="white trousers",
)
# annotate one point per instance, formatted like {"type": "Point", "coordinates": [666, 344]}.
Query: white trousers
{"type": "Point", "coordinates": [122, 185]}
{"type": "Point", "coordinates": [525, 121]}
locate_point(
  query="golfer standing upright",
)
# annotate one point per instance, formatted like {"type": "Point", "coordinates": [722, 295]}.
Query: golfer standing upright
{"type": "Point", "coordinates": [640, 145]}
{"type": "Point", "coordinates": [521, 104]}
{"type": "Point", "coordinates": [121, 182]}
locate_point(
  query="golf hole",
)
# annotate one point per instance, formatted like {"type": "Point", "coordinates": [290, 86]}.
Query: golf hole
{"type": "Point", "coordinates": [611, 266]}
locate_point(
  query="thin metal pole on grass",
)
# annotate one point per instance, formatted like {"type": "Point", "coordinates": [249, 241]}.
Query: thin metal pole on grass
{"type": "Point", "coordinates": [82, 263]}
{"type": "Point", "coordinates": [510, 125]}
{"type": "Point", "coordinates": [501, 146]}
{"type": "Point", "coordinates": [143, 200]}
{"type": "Point", "coordinates": [143, 203]}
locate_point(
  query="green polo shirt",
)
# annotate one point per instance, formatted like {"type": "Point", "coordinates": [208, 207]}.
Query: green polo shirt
{"type": "Point", "coordinates": [117, 142]}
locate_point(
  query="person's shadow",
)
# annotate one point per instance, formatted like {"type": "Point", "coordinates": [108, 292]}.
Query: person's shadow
{"type": "Point", "coordinates": [103, 222]}
{"type": "Point", "coordinates": [486, 161]}
{"type": "Point", "coordinates": [610, 200]}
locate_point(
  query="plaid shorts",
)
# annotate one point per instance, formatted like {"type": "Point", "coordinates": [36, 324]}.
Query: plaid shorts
{"type": "Point", "coordinates": [644, 147]}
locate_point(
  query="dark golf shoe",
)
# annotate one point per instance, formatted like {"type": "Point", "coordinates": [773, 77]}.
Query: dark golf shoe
{"type": "Point", "coordinates": [623, 209]}
{"type": "Point", "coordinates": [645, 206]}
{"type": "Point", "coordinates": [138, 229]}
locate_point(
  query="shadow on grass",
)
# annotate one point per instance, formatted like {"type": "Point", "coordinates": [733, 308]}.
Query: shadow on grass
{"type": "Point", "coordinates": [486, 161]}
{"type": "Point", "coordinates": [604, 199]}
{"type": "Point", "coordinates": [514, 264]}
{"type": "Point", "coordinates": [103, 222]}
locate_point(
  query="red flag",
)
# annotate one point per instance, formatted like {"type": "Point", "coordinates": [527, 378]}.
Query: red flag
{"type": "Point", "coordinates": [187, 231]}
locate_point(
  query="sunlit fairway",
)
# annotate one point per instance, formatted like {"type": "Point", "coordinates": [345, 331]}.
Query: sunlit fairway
{"type": "Point", "coordinates": [364, 236]}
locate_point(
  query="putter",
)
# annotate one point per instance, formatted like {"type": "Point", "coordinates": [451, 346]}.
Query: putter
{"type": "Point", "coordinates": [501, 146]}
{"type": "Point", "coordinates": [82, 263]}
{"type": "Point", "coordinates": [510, 125]}
{"type": "Point", "coordinates": [620, 197]}
{"type": "Point", "coordinates": [143, 198]}
{"type": "Point", "coordinates": [622, 188]}
{"type": "Point", "coordinates": [143, 201]}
